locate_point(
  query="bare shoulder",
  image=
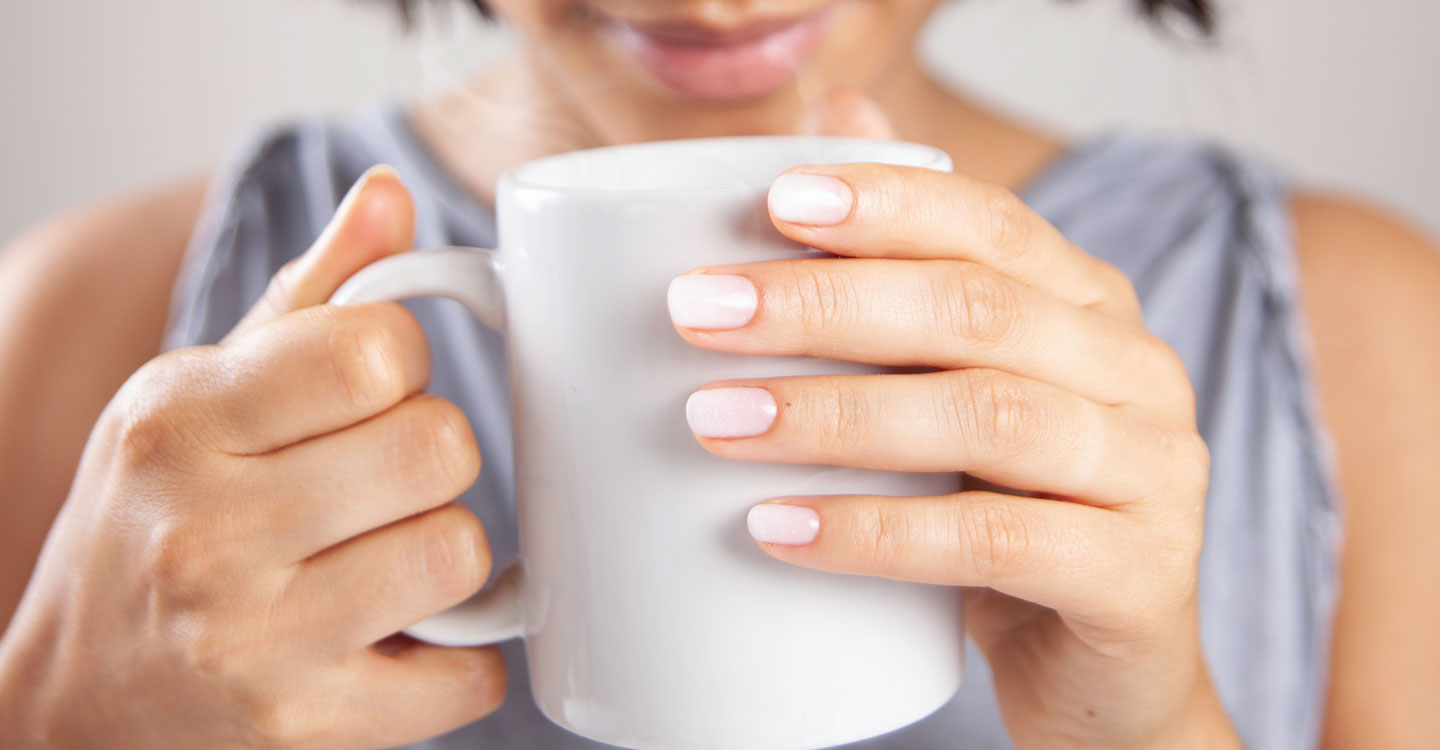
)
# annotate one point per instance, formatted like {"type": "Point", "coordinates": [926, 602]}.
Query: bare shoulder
{"type": "Point", "coordinates": [83, 300]}
{"type": "Point", "coordinates": [92, 285]}
{"type": "Point", "coordinates": [117, 257]}
{"type": "Point", "coordinates": [1352, 253]}
{"type": "Point", "coordinates": [1371, 286]}
{"type": "Point", "coordinates": [121, 254]}
{"type": "Point", "coordinates": [134, 229]}
{"type": "Point", "coordinates": [1371, 290]}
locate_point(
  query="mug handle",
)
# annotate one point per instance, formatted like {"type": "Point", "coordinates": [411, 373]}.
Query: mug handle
{"type": "Point", "coordinates": [470, 276]}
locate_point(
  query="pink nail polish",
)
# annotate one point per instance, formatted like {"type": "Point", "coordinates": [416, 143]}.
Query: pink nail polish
{"type": "Point", "coordinates": [813, 199]}
{"type": "Point", "coordinates": [711, 301]}
{"type": "Point", "coordinates": [730, 412]}
{"type": "Point", "coordinates": [775, 523]}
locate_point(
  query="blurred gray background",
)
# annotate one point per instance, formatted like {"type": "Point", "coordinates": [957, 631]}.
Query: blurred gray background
{"type": "Point", "coordinates": [101, 96]}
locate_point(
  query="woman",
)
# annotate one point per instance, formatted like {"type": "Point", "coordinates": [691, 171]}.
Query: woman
{"type": "Point", "coordinates": [238, 506]}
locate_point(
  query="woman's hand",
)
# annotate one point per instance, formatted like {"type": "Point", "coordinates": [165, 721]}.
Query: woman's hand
{"type": "Point", "coordinates": [249, 520]}
{"type": "Point", "coordinates": [1047, 382]}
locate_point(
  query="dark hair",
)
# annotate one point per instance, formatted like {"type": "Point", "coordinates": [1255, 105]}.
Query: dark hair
{"type": "Point", "coordinates": [1199, 13]}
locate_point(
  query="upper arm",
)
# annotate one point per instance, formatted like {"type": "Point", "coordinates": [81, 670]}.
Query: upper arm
{"type": "Point", "coordinates": [83, 302]}
{"type": "Point", "coordinates": [1372, 298]}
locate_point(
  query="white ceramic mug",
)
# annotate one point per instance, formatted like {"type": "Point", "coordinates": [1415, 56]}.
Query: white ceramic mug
{"type": "Point", "coordinates": [651, 619]}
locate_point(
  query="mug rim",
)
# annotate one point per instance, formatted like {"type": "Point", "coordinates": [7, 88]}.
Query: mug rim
{"type": "Point", "coordinates": [520, 177]}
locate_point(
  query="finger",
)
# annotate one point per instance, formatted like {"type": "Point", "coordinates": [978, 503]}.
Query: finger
{"type": "Point", "coordinates": [1074, 558]}
{"type": "Point", "coordinates": [845, 111]}
{"type": "Point", "coordinates": [1005, 429]}
{"type": "Point", "coordinates": [941, 313]}
{"type": "Point", "coordinates": [420, 692]}
{"type": "Point", "coordinates": [365, 589]}
{"type": "Point", "coordinates": [882, 210]}
{"type": "Point", "coordinates": [415, 457]}
{"type": "Point", "coordinates": [376, 219]}
{"type": "Point", "coordinates": [309, 373]}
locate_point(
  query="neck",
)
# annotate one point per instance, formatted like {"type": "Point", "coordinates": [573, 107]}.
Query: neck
{"type": "Point", "coordinates": [514, 112]}
{"type": "Point", "coordinates": [983, 143]}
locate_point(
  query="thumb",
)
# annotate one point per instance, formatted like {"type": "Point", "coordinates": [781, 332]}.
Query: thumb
{"type": "Point", "coordinates": [844, 110]}
{"type": "Point", "coordinates": [376, 219]}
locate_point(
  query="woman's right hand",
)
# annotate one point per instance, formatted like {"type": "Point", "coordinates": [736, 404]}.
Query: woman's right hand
{"type": "Point", "coordinates": [249, 520]}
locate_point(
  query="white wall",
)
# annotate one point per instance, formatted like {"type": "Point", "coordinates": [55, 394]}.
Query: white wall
{"type": "Point", "coordinates": [101, 95]}
{"type": "Point", "coordinates": [1341, 92]}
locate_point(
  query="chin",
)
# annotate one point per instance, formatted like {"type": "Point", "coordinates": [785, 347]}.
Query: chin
{"type": "Point", "coordinates": [644, 70]}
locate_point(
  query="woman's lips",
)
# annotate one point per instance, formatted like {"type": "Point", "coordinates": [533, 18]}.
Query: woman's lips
{"type": "Point", "coordinates": [708, 64]}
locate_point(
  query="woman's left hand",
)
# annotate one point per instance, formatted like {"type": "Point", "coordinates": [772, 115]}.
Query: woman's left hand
{"type": "Point", "coordinates": [1047, 382]}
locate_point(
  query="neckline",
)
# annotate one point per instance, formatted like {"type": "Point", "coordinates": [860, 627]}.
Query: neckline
{"type": "Point", "coordinates": [458, 198]}
{"type": "Point", "coordinates": [450, 191]}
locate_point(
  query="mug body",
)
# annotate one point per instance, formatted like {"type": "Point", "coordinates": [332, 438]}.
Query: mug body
{"type": "Point", "coordinates": [652, 618]}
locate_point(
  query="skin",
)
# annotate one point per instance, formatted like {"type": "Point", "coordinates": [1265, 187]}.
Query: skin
{"type": "Point", "coordinates": [92, 348]}
{"type": "Point", "coordinates": [229, 642]}
{"type": "Point", "coordinates": [241, 534]}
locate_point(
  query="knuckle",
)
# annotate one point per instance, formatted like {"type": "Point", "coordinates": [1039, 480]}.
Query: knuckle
{"type": "Point", "coordinates": [992, 536]}
{"type": "Point", "coordinates": [1176, 555]}
{"type": "Point", "coordinates": [453, 554]}
{"type": "Point", "coordinates": [825, 299]}
{"type": "Point", "coordinates": [884, 534]}
{"type": "Point", "coordinates": [455, 445]}
{"type": "Point", "coordinates": [434, 449]}
{"type": "Point", "coordinates": [367, 347]}
{"type": "Point", "coordinates": [888, 193]}
{"type": "Point", "coordinates": [1168, 588]}
{"type": "Point", "coordinates": [148, 441]}
{"type": "Point", "coordinates": [180, 564]}
{"type": "Point", "coordinates": [841, 414]}
{"type": "Point", "coordinates": [148, 416]}
{"type": "Point", "coordinates": [275, 720]}
{"type": "Point", "coordinates": [267, 714]}
{"type": "Point", "coordinates": [1119, 286]}
{"type": "Point", "coordinates": [1169, 555]}
{"type": "Point", "coordinates": [1008, 221]}
{"type": "Point", "coordinates": [1167, 367]}
{"type": "Point", "coordinates": [1190, 457]}
{"type": "Point", "coordinates": [1199, 457]}
{"type": "Point", "coordinates": [976, 305]}
{"type": "Point", "coordinates": [995, 412]}
{"type": "Point", "coordinates": [220, 662]}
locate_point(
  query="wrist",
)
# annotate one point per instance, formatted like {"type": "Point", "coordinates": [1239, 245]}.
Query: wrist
{"type": "Point", "coordinates": [1202, 724]}
{"type": "Point", "coordinates": [14, 704]}
{"type": "Point", "coordinates": [22, 687]}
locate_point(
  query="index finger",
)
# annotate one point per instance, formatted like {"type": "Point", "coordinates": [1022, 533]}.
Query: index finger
{"type": "Point", "coordinates": [888, 211]}
{"type": "Point", "coordinates": [311, 372]}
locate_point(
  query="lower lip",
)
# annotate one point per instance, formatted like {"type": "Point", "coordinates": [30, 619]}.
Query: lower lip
{"type": "Point", "coordinates": [741, 69]}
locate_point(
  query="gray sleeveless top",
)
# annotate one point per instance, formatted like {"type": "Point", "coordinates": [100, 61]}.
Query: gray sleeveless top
{"type": "Point", "coordinates": [1203, 233]}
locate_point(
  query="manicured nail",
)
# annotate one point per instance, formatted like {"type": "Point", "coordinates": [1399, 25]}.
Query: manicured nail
{"type": "Point", "coordinates": [730, 412]}
{"type": "Point", "coordinates": [711, 301]}
{"type": "Point", "coordinates": [775, 523]}
{"type": "Point", "coordinates": [813, 199]}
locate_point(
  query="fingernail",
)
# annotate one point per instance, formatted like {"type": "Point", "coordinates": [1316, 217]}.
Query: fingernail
{"type": "Point", "coordinates": [711, 301]}
{"type": "Point", "coordinates": [379, 170]}
{"type": "Point", "coordinates": [775, 523]}
{"type": "Point", "coordinates": [347, 203]}
{"type": "Point", "coordinates": [730, 412]}
{"type": "Point", "coordinates": [369, 176]}
{"type": "Point", "coordinates": [813, 199]}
